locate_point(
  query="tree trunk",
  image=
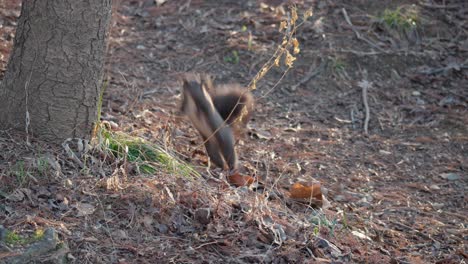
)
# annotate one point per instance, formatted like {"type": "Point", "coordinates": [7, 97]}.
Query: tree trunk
{"type": "Point", "coordinates": [52, 82]}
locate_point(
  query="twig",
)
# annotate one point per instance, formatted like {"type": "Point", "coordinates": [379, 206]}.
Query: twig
{"type": "Point", "coordinates": [358, 35]}
{"type": "Point", "coordinates": [403, 226]}
{"type": "Point", "coordinates": [106, 223]}
{"type": "Point", "coordinates": [208, 243]}
{"type": "Point", "coordinates": [368, 53]}
{"type": "Point", "coordinates": [366, 105]}
{"type": "Point", "coordinates": [360, 53]}
{"type": "Point", "coordinates": [274, 86]}
{"type": "Point", "coordinates": [365, 86]}
{"type": "Point", "coordinates": [311, 74]}
{"type": "Point", "coordinates": [150, 92]}
{"type": "Point", "coordinates": [440, 6]}
{"type": "Point", "coordinates": [433, 71]}
{"type": "Point", "coordinates": [26, 101]}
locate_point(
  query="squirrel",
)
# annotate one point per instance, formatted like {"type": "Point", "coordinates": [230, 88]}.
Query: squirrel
{"type": "Point", "coordinates": [215, 112]}
{"type": "Point", "coordinates": [232, 101]}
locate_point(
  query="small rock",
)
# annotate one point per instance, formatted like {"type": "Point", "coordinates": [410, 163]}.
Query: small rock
{"type": "Point", "coordinates": [339, 198]}
{"type": "Point", "coordinates": [369, 198]}
{"type": "Point", "coordinates": [113, 125]}
{"type": "Point", "coordinates": [119, 233]}
{"type": "Point", "coordinates": [360, 235]}
{"type": "Point", "coordinates": [420, 101]}
{"type": "Point", "coordinates": [70, 257]}
{"type": "Point", "coordinates": [450, 176]}
{"type": "Point", "coordinates": [68, 183]}
{"type": "Point", "coordinates": [448, 101]}
{"type": "Point", "coordinates": [49, 248]}
{"type": "Point", "coordinates": [163, 228]}
{"type": "Point", "coordinates": [437, 206]}
{"type": "Point", "coordinates": [416, 93]}
{"type": "Point", "coordinates": [160, 2]}
{"type": "Point", "coordinates": [363, 203]}
{"type": "Point", "coordinates": [384, 152]}
{"type": "Point", "coordinates": [3, 233]}
{"type": "Point", "coordinates": [327, 246]}
{"type": "Point", "coordinates": [395, 75]}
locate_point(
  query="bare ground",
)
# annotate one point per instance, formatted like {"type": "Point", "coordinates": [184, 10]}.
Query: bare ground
{"type": "Point", "coordinates": [396, 194]}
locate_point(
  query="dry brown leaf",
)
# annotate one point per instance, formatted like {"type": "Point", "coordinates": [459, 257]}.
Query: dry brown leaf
{"type": "Point", "coordinates": [310, 192]}
{"type": "Point", "coordinates": [308, 14]}
{"type": "Point", "coordinates": [289, 59]}
{"type": "Point", "coordinates": [295, 43]}
{"type": "Point", "coordinates": [293, 15]}
{"type": "Point", "coordinates": [282, 26]}
{"type": "Point", "coordinates": [277, 61]}
{"type": "Point", "coordinates": [240, 180]}
{"type": "Point", "coordinates": [189, 199]}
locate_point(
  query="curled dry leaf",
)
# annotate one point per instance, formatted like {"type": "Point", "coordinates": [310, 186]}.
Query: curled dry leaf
{"type": "Point", "coordinates": [295, 43]}
{"type": "Point", "coordinates": [240, 180]}
{"type": "Point", "coordinates": [282, 26]}
{"type": "Point", "coordinates": [310, 192]}
{"type": "Point", "coordinates": [308, 14]}
{"type": "Point", "coordinates": [84, 209]}
{"type": "Point", "coordinates": [294, 16]}
{"type": "Point", "coordinates": [277, 61]}
{"type": "Point", "coordinates": [289, 59]}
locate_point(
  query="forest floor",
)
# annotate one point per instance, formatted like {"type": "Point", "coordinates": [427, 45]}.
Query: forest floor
{"type": "Point", "coordinates": [396, 194]}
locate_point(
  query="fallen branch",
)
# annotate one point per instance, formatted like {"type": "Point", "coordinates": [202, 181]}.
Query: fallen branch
{"type": "Point", "coordinates": [409, 228]}
{"type": "Point", "coordinates": [453, 66]}
{"type": "Point", "coordinates": [440, 6]}
{"type": "Point", "coordinates": [310, 74]}
{"type": "Point", "coordinates": [358, 35]}
{"type": "Point", "coordinates": [365, 85]}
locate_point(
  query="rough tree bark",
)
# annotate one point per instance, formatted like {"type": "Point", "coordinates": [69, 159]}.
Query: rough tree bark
{"type": "Point", "coordinates": [53, 78]}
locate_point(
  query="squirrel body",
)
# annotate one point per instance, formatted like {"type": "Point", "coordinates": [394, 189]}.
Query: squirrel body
{"type": "Point", "coordinates": [215, 112]}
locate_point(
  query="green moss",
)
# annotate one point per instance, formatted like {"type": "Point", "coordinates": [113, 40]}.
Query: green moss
{"type": "Point", "coordinates": [12, 238]}
{"type": "Point", "coordinates": [38, 235]}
